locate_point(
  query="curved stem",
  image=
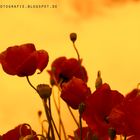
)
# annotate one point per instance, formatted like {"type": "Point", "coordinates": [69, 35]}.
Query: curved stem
{"type": "Point", "coordinates": [31, 84]}
{"type": "Point", "coordinates": [73, 116]}
{"type": "Point", "coordinates": [78, 55]}
{"type": "Point", "coordinates": [42, 127]}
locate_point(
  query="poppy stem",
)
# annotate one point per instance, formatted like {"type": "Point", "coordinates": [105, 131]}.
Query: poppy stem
{"type": "Point", "coordinates": [59, 115]}
{"type": "Point", "coordinates": [43, 130]}
{"type": "Point", "coordinates": [81, 110]}
{"type": "Point", "coordinates": [78, 55]}
{"type": "Point", "coordinates": [80, 125]}
{"type": "Point", "coordinates": [57, 108]}
{"type": "Point", "coordinates": [73, 116]}
{"type": "Point", "coordinates": [31, 84]}
{"type": "Point", "coordinates": [53, 121]}
{"type": "Point", "coordinates": [124, 137]}
{"type": "Point", "coordinates": [49, 121]}
{"type": "Point", "coordinates": [52, 118]}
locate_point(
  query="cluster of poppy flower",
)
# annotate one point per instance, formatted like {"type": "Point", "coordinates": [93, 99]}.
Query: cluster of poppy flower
{"type": "Point", "coordinates": [107, 112]}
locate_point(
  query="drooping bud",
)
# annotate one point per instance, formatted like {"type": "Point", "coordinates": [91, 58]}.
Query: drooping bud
{"type": "Point", "coordinates": [44, 91]}
{"type": "Point", "coordinates": [98, 81]}
{"type": "Point", "coordinates": [73, 37]}
{"type": "Point", "coordinates": [112, 133]}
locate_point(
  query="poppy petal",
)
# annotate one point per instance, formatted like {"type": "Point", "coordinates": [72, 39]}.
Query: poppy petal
{"type": "Point", "coordinates": [43, 59]}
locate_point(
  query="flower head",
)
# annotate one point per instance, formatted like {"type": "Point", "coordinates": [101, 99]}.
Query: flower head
{"type": "Point", "coordinates": [75, 92]}
{"type": "Point", "coordinates": [63, 69]}
{"type": "Point", "coordinates": [98, 106]}
{"type": "Point", "coordinates": [125, 117]}
{"type": "Point", "coordinates": [23, 60]}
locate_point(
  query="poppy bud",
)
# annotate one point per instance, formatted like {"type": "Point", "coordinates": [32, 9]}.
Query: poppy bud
{"type": "Point", "coordinates": [44, 91]}
{"type": "Point", "coordinates": [73, 37]}
{"type": "Point", "coordinates": [81, 108]}
{"type": "Point", "coordinates": [98, 81]}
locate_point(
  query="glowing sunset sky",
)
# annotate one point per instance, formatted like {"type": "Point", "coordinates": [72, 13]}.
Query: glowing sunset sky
{"type": "Point", "coordinates": [108, 40]}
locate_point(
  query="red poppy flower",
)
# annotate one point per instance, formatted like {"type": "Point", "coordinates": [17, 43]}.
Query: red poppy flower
{"type": "Point", "coordinates": [75, 92]}
{"type": "Point", "coordinates": [125, 117]}
{"type": "Point", "coordinates": [98, 107]}
{"type": "Point", "coordinates": [23, 60]}
{"type": "Point", "coordinates": [63, 69]}
{"type": "Point", "coordinates": [18, 132]}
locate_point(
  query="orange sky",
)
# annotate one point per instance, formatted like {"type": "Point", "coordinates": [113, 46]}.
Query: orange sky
{"type": "Point", "coordinates": [108, 40]}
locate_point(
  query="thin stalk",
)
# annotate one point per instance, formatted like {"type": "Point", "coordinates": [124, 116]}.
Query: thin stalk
{"type": "Point", "coordinates": [55, 128]}
{"type": "Point", "coordinates": [31, 83]}
{"type": "Point", "coordinates": [73, 116]}
{"type": "Point", "coordinates": [124, 137]}
{"type": "Point", "coordinates": [59, 115]}
{"type": "Point", "coordinates": [49, 120]}
{"type": "Point", "coordinates": [53, 120]}
{"type": "Point", "coordinates": [49, 128]}
{"type": "Point", "coordinates": [80, 125]}
{"type": "Point", "coordinates": [43, 130]}
{"type": "Point", "coordinates": [78, 55]}
{"type": "Point", "coordinates": [63, 128]}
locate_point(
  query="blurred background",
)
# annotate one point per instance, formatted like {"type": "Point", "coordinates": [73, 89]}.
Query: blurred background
{"type": "Point", "coordinates": [108, 40]}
